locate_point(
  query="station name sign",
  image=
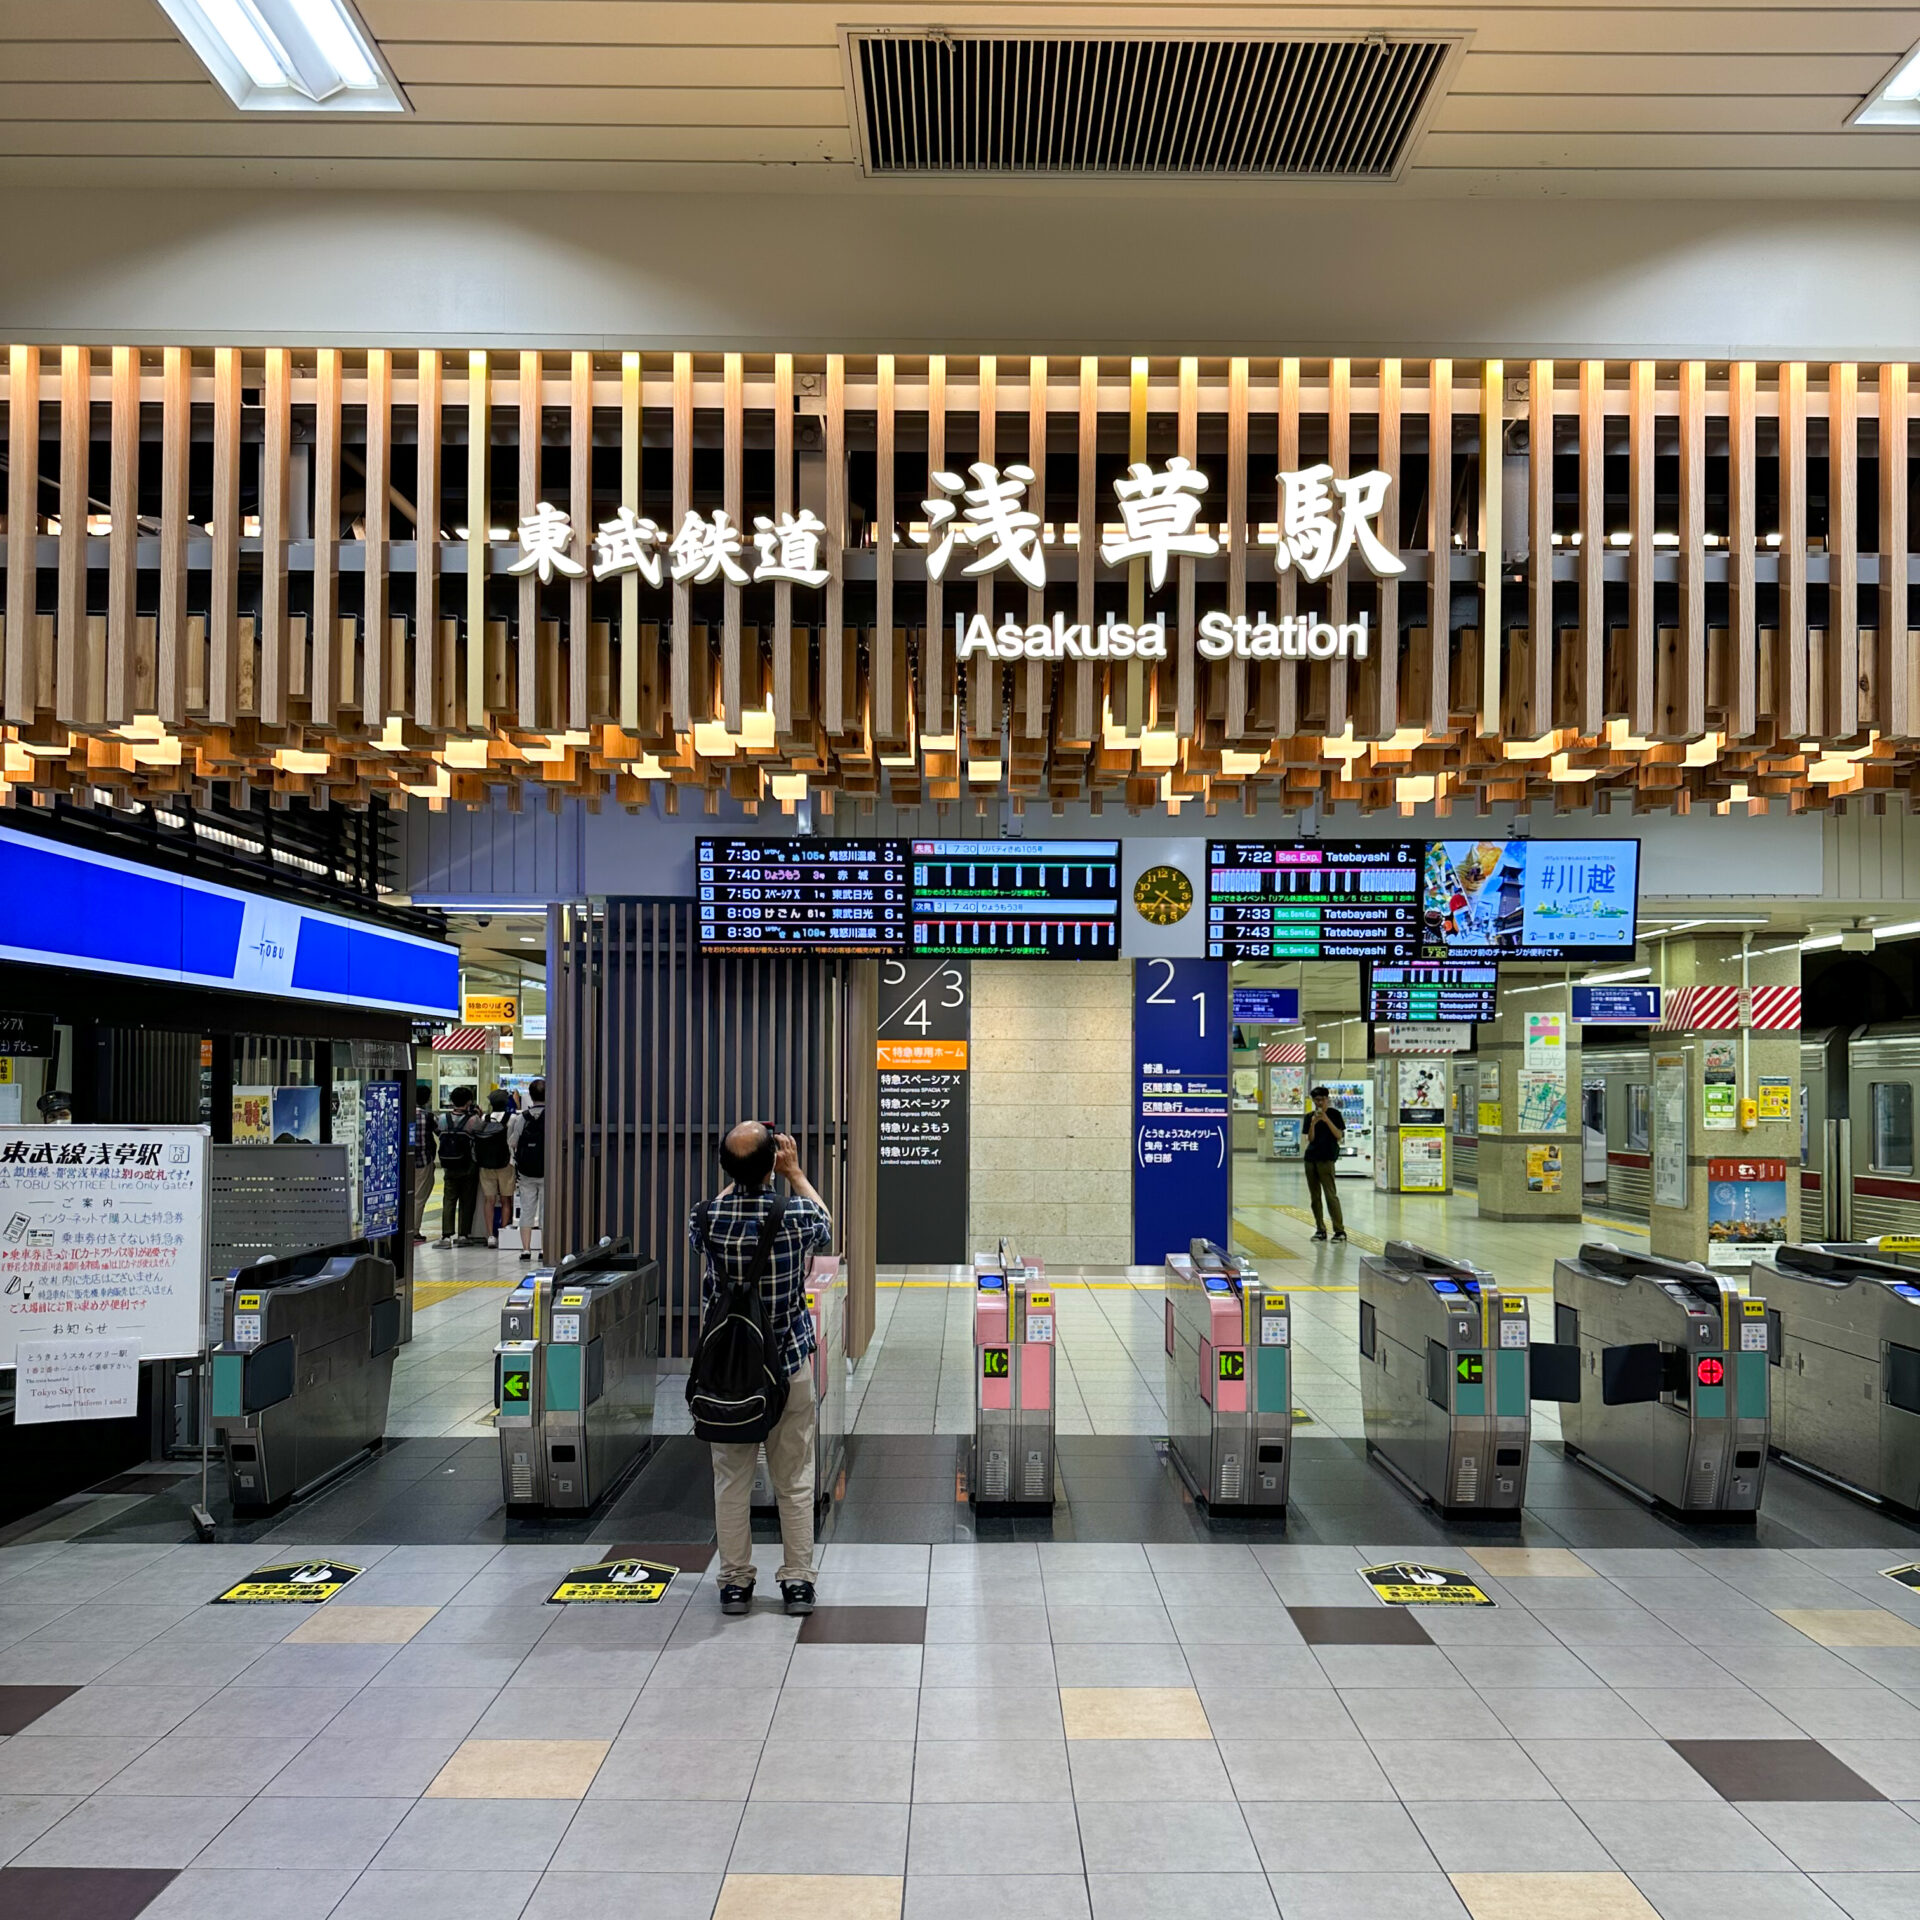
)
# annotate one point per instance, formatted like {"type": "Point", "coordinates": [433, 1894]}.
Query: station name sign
{"type": "Point", "coordinates": [985, 518]}
{"type": "Point", "coordinates": [1222, 636]}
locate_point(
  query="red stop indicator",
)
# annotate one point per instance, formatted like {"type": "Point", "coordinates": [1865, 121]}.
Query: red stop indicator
{"type": "Point", "coordinates": [1709, 1371]}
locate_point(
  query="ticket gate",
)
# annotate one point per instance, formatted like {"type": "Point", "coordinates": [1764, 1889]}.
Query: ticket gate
{"type": "Point", "coordinates": [1844, 1335]}
{"type": "Point", "coordinates": [1446, 1380]}
{"type": "Point", "coordinates": [827, 1302]}
{"type": "Point", "coordinates": [1013, 1335]}
{"type": "Point", "coordinates": [1229, 1395]}
{"type": "Point", "coordinates": [303, 1369]}
{"type": "Point", "coordinates": [574, 1377]}
{"type": "Point", "coordinates": [1674, 1380]}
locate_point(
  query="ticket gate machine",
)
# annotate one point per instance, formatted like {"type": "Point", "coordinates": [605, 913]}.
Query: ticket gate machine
{"type": "Point", "coordinates": [1844, 1336]}
{"type": "Point", "coordinates": [1674, 1380]}
{"type": "Point", "coordinates": [827, 1303]}
{"type": "Point", "coordinates": [1229, 1395]}
{"type": "Point", "coordinates": [574, 1377]}
{"type": "Point", "coordinates": [1013, 1335]}
{"type": "Point", "coordinates": [303, 1369]}
{"type": "Point", "coordinates": [1446, 1380]}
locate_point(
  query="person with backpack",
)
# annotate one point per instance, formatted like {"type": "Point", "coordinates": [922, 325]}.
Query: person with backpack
{"type": "Point", "coordinates": [527, 1142]}
{"type": "Point", "coordinates": [493, 1155]}
{"type": "Point", "coordinates": [751, 1380]}
{"type": "Point", "coordinates": [459, 1172]}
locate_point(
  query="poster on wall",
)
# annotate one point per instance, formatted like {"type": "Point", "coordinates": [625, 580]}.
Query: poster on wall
{"type": "Point", "coordinates": [1775, 1099]}
{"type": "Point", "coordinates": [1543, 1169]}
{"type": "Point", "coordinates": [380, 1136]}
{"type": "Point", "coordinates": [925, 1025]}
{"type": "Point", "coordinates": [1746, 1210]}
{"type": "Point", "coordinates": [1246, 1089]}
{"type": "Point", "coordinates": [1180, 1118]}
{"type": "Point", "coordinates": [1287, 1089]}
{"type": "Point", "coordinates": [1669, 1130]}
{"type": "Point", "coordinates": [296, 1114]}
{"type": "Point", "coordinates": [104, 1237]}
{"type": "Point", "coordinates": [1543, 1074]}
{"type": "Point", "coordinates": [1719, 1086]}
{"type": "Point", "coordinates": [252, 1116]}
{"type": "Point", "coordinates": [1423, 1159]}
{"type": "Point", "coordinates": [1423, 1093]}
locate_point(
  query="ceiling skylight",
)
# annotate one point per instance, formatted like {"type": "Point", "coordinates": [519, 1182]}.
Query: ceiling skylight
{"type": "Point", "coordinates": [1895, 102]}
{"type": "Point", "coordinates": [289, 56]}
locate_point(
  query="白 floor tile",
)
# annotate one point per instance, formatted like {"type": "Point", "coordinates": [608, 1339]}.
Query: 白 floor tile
{"type": "Point", "coordinates": [988, 1838]}
{"type": "Point", "coordinates": [638, 1767]}
{"type": "Point", "coordinates": [401, 1893]}
{"type": "Point", "coordinates": [1753, 1896]}
{"type": "Point", "coordinates": [65, 1763]}
{"type": "Point", "coordinates": [1835, 1837]}
{"type": "Point", "coordinates": [1519, 1837]}
{"type": "Point", "coordinates": [307, 1833]}
{"type": "Point", "coordinates": [964, 1896]}
{"type": "Point", "coordinates": [248, 1893]}
{"type": "Point", "coordinates": [484, 1769]}
{"type": "Point", "coordinates": [1169, 1836]}
{"type": "Point", "coordinates": [1616, 1770]}
{"type": "Point", "coordinates": [841, 1839]}
{"type": "Point", "coordinates": [661, 1896]}
{"type": "Point", "coordinates": [677, 1836]}
{"type": "Point", "coordinates": [1872, 1896]}
{"type": "Point", "coordinates": [1147, 1770]}
{"type": "Point", "coordinates": [980, 1713]}
{"type": "Point", "coordinates": [1336, 1836]}
{"type": "Point", "coordinates": [852, 1665]}
{"type": "Point", "coordinates": [1773, 1770]}
{"type": "Point", "coordinates": [1420, 1713]}
{"type": "Point", "coordinates": [863, 1771]}
{"type": "Point", "coordinates": [1680, 1836]}
{"type": "Point", "coordinates": [24, 1817]}
{"type": "Point", "coordinates": [843, 1713]}
{"type": "Point", "coordinates": [1491, 1770]}
{"type": "Point", "coordinates": [110, 1832]}
{"type": "Point", "coordinates": [991, 1770]}
{"type": "Point", "coordinates": [493, 1836]}
{"type": "Point", "coordinates": [1365, 1896]}
{"type": "Point", "coordinates": [1290, 1769]}
{"type": "Point", "coordinates": [1564, 1713]}
{"type": "Point", "coordinates": [1133, 1713]}
{"type": "Point", "coordinates": [1181, 1896]}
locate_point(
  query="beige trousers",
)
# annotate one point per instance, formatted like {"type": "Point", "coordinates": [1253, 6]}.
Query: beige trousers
{"type": "Point", "coordinates": [790, 1467]}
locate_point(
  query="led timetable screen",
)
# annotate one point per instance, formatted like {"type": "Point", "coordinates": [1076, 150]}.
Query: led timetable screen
{"type": "Point", "coordinates": [802, 896]}
{"type": "Point", "coordinates": [1530, 899]}
{"type": "Point", "coordinates": [1016, 899]}
{"type": "Point", "coordinates": [1313, 899]}
{"type": "Point", "coordinates": [1431, 991]}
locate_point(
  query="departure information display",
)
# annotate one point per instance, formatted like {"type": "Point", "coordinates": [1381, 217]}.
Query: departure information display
{"type": "Point", "coordinates": [802, 896]}
{"type": "Point", "coordinates": [1016, 899]}
{"type": "Point", "coordinates": [1530, 899]}
{"type": "Point", "coordinates": [1314, 899]}
{"type": "Point", "coordinates": [1431, 991]}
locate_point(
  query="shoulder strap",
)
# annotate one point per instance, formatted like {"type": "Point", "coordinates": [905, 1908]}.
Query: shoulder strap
{"type": "Point", "coordinates": [763, 1251]}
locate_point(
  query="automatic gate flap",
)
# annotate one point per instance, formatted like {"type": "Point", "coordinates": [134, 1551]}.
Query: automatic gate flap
{"type": "Point", "coordinates": [1554, 1372]}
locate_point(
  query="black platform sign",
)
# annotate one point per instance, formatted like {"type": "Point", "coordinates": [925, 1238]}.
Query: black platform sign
{"type": "Point", "coordinates": [631, 1583]}
{"type": "Point", "coordinates": [1314, 900]}
{"type": "Point", "coordinates": [802, 896]}
{"type": "Point", "coordinates": [924, 1026]}
{"type": "Point", "coordinates": [302, 1582]}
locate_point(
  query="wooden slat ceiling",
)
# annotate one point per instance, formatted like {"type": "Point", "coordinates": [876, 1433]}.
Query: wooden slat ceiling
{"type": "Point", "coordinates": [1710, 98]}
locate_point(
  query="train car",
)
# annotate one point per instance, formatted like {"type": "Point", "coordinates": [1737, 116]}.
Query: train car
{"type": "Point", "coordinates": [1819, 1204]}
{"type": "Point", "coordinates": [1617, 1105]}
{"type": "Point", "coordinates": [1873, 1140]}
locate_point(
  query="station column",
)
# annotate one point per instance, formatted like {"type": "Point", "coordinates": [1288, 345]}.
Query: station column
{"type": "Point", "coordinates": [1529, 1158]}
{"type": "Point", "coordinates": [1725, 1119]}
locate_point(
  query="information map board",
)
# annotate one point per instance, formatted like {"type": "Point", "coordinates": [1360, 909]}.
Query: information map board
{"type": "Point", "coordinates": [802, 896]}
{"type": "Point", "coordinates": [103, 1236]}
{"type": "Point", "coordinates": [1313, 899]}
{"type": "Point", "coordinates": [1431, 991]}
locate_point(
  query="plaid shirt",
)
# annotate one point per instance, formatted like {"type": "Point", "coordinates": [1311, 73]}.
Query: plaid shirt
{"type": "Point", "coordinates": [733, 1231]}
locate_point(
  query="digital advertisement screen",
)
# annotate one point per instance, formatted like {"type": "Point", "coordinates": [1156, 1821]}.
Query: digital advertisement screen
{"type": "Point", "coordinates": [802, 896]}
{"type": "Point", "coordinates": [1017, 899]}
{"type": "Point", "coordinates": [1616, 1006]}
{"type": "Point", "coordinates": [1313, 899]}
{"type": "Point", "coordinates": [1432, 990]}
{"type": "Point", "coordinates": [1530, 899]}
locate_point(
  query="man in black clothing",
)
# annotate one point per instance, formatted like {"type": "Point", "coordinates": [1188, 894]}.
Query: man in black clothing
{"type": "Point", "coordinates": [1325, 1130]}
{"type": "Point", "coordinates": [459, 1170]}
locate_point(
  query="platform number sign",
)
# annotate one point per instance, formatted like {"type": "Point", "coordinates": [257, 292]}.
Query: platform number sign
{"type": "Point", "coordinates": [1181, 1034]}
{"type": "Point", "coordinates": [923, 1032]}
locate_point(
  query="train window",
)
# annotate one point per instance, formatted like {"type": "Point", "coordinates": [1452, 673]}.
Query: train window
{"type": "Point", "coordinates": [1892, 1103]}
{"type": "Point", "coordinates": [1639, 1108]}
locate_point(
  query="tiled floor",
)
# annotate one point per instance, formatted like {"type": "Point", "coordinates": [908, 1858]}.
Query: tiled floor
{"type": "Point", "coordinates": [1063, 1730]}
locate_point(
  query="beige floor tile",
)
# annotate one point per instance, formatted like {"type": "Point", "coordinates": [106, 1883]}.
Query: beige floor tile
{"type": "Point", "coordinates": [345, 1626]}
{"type": "Point", "coordinates": [1551, 1896]}
{"type": "Point", "coordinates": [1535, 1563]}
{"type": "Point", "coordinates": [809, 1896]}
{"type": "Point", "coordinates": [519, 1770]}
{"type": "Point", "coordinates": [1852, 1626]}
{"type": "Point", "coordinates": [1134, 1713]}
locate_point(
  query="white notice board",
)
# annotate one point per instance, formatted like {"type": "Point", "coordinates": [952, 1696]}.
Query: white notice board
{"type": "Point", "coordinates": [103, 1236]}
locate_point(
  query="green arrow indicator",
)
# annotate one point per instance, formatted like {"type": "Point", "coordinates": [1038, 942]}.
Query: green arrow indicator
{"type": "Point", "coordinates": [515, 1386]}
{"type": "Point", "coordinates": [1468, 1369]}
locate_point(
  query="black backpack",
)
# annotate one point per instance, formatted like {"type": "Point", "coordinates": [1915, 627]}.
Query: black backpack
{"type": "Point", "coordinates": [530, 1156]}
{"type": "Point", "coordinates": [490, 1143]}
{"type": "Point", "coordinates": [737, 1384]}
{"type": "Point", "coordinates": [456, 1143]}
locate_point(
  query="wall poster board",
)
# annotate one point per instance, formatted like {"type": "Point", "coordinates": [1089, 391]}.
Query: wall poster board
{"type": "Point", "coordinates": [1719, 1086]}
{"type": "Point", "coordinates": [1423, 1159]}
{"type": "Point", "coordinates": [1669, 1117]}
{"type": "Point", "coordinates": [1543, 1075]}
{"type": "Point", "coordinates": [103, 1236]}
{"type": "Point", "coordinates": [1746, 1210]}
{"type": "Point", "coordinates": [925, 1025]}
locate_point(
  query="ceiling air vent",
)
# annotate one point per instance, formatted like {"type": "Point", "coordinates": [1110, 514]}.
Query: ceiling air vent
{"type": "Point", "coordinates": [1324, 107]}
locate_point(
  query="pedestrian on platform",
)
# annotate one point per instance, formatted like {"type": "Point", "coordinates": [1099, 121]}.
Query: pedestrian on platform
{"type": "Point", "coordinates": [1326, 1129]}
{"type": "Point", "coordinates": [459, 1171]}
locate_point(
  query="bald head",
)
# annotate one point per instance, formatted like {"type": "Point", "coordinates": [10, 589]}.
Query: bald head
{"type": "Point", "coordinates": [747, 1153]}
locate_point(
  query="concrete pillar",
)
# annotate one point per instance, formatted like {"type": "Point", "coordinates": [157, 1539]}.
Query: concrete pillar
{"type": "Point", "coordinates": [1512, 1185]}
{"type": "Point", "coordinates": [1714, 961]}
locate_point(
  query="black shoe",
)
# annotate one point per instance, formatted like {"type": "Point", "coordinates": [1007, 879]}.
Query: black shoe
{"type": "Point", "coordinates": [798, 1594]}
{"type": "Point", "coordinates": [1341, 1236]}
{"type": "Point", "coordinates": [736, 1600]}
{"type": "Point", "coordinates": [1319, 1233]}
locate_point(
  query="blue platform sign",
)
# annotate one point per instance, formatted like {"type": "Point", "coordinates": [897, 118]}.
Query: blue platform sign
{"type": "Point", "coordinates": [1267, 1006]}
{"type": "Point", "coordinates": [1181, 1117]}
{"type": "Point", "coordinates": [1616, 1006]}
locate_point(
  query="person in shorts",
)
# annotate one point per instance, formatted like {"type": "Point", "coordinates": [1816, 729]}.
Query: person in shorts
{"type": "Point", "coordinates": [527, 1144]}
{"type": "Point", "coordinates": [493, 1155]}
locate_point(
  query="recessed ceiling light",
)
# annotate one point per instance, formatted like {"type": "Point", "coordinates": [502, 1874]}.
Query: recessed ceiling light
{"type": "Point", "coordinates": [1895, 102]}
{"type": "Point", "coordinates": [289, 56]}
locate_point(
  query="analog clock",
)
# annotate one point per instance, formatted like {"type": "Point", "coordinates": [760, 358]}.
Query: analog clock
{"type": "Point", "coordinates": [1163, 895]}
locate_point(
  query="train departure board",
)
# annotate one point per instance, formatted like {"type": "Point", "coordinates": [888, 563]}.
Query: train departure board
{"type": "Point", "coordinates": [1432, 991]}
{"type": "Point", "coordinates": [1314, 899]}
{"type": "Point", "coordinates": [802, 896]}
{"type": "Point", "coordinates": [1017, 899]}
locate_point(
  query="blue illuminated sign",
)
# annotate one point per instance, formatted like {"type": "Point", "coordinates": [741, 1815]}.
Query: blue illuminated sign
{"type": "Point", "coordinates": [1616, 1006]}
{"type": "Point", "coordinates": [1180, 1115]}
{"type": "Point", "coordinates": [1267, 1006]}
{"type": "Point", "coordinates": [63, 906]}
